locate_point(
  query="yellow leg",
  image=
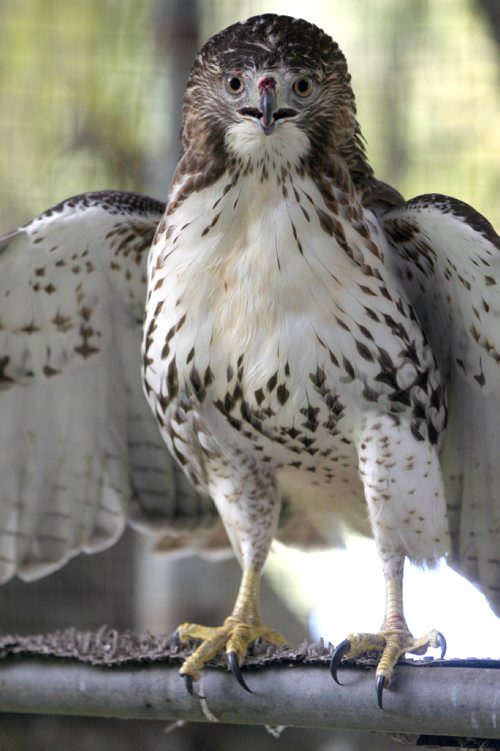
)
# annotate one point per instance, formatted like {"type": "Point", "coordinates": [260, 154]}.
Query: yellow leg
{"type": "Point", "coordinates": [392, 641]}
{"type": "Point", "coordinates": [238, 631]}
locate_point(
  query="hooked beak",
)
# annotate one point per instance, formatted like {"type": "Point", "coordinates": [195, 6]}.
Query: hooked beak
{"type": "Point", "coordinates": [267, 105]}
{"type": "Point", "coordinates": [267, 113]}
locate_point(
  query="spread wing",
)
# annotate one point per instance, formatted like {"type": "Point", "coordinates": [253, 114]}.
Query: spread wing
{"type": "Point", "coordinates": [80, 452]}
{"type": "Point", "coordinates": [448, 258]}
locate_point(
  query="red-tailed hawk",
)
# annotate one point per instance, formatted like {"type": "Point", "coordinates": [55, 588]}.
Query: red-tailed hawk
{"type": "Point", "coordinates": [309, 336]}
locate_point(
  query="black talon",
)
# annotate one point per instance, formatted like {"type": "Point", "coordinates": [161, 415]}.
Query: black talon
{"type": "Point", "coordinates": [188, 682]}
{"type": "Point", "coordinates": [380, 690]}
{"type": "Point", "coordinates": [339, 652]}
{"type": "Point", "coordinates": [234, 667]}
{"type": "Point", "coordinates": [441, 642]}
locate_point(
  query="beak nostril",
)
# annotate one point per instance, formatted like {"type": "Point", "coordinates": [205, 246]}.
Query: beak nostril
{"type": "Point", "coordinates": [284, 112]}
{"type": "Point", "coordinates": [251, 112]}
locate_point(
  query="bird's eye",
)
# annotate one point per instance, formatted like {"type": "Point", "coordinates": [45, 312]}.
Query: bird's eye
{"type": "Point", "coordinates": [234, 85]}
{"type": "Point", "coordinates": [303, 87]}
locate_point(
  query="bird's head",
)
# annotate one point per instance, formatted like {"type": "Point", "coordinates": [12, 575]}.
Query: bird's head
{"type": "Point", "coordinates": [270, 80]}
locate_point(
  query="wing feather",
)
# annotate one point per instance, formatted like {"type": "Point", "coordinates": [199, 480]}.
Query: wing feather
{"type": "Point", "coordinates": [80, 452]}
{"type": "Point", "coordinates": [448, 258]}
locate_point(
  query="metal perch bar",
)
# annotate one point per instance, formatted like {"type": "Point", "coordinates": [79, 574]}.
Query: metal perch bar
{"type": "Point", "coordinates": [442, 701]}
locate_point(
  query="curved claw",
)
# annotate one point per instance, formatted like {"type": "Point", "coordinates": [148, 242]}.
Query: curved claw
{"type": "Point", "coordinates": [380, 690]}
{"type": "Point", "coordinates": [234, 667]}
{"type": "Point", "coordinates": [441, 642]}
{"type": "Point", "coordinates": [339, 652]}
{"type": "Point", "coordinates": [188, 682]}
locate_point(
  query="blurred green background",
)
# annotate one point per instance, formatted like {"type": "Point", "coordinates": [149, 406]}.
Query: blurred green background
{"type": "Point", "coordinates": [89, 92]}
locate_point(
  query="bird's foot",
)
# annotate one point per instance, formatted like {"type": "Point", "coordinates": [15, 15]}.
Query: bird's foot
{"type": "Point", "coordinates": [391, 644]}
{"type": "Point", "coordinates": [235, 635]}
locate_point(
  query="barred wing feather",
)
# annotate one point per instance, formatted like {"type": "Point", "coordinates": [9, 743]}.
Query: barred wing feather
{"type": "Point", "coordinates": [80, 452]}
{"type": "Point", "coordinates": [448, 258]}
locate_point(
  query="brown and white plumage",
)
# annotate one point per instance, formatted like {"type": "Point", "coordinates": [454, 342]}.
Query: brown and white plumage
{"type": "Point", "coordinates": [288, 344]}
{"type": "Point", "coordinates": [79, 449]}
{"type": "Point", "coordinates": [448, 259]}
{"type": "Point", "coordinates": [308, 335]}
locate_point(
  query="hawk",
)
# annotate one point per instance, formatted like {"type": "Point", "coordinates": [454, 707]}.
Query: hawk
{"type": "Point", "coordinates": [317, 352]}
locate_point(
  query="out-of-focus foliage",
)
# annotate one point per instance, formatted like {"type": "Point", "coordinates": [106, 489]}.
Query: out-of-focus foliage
{"type": "Point", "coordinates": [83, 94]}
{"type": "Point", "coordinates": [77, 88]}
